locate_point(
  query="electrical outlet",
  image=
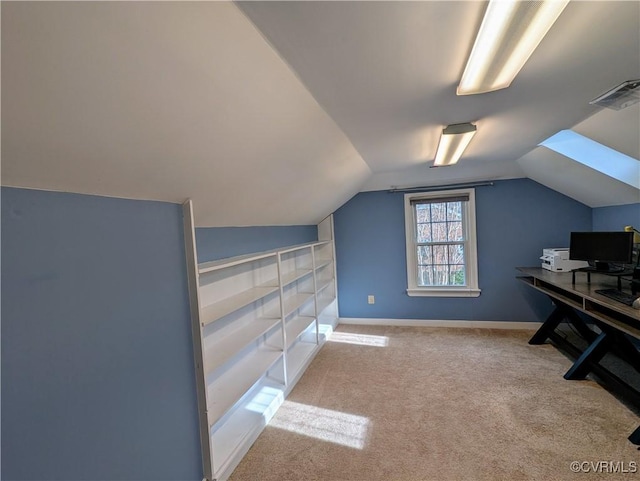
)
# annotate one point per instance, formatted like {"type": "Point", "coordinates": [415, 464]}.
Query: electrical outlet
{"type": "Point", "coordinates": [371, 299]}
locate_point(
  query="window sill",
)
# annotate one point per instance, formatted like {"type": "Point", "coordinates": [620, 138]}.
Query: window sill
{"type": "Point", "coordinates": [443, 292]}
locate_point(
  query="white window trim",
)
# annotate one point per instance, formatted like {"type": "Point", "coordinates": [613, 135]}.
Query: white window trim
{"type": "Point", "coordinates": [471, 289]}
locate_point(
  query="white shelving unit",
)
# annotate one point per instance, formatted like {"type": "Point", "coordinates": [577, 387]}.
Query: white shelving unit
{"type": "Point", "coordinates": [258, 321]}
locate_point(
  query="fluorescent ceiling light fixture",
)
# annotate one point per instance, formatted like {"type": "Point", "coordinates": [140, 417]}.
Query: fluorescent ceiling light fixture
{"type": "Point", "coordinates": [510, 32]}
{"type": "Point", "coordinates": [453, 142]}
{"type": "Point", "coordinates": [596, 156]}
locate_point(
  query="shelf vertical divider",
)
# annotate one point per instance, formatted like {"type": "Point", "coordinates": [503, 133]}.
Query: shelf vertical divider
{"type": "Point", "coordinates": [282, 320]}
{"type": "Point", "coordinates": [194, 304]}
{"type": "Point", "coordinates": [316, 302]}
{"type": "Point", "coordinates": [326, 232]}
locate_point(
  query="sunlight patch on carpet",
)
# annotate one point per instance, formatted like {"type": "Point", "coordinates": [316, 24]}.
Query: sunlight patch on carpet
{"type": "Point", "coordinates": [266, 401]}
{"type": "Point", "coordinates": [324, 424]}
{"type": "Point", "coordinates": [359, 339]}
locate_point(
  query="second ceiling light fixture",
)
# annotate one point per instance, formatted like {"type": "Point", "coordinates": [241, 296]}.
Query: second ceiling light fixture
{"type": "Point", "coordinates": [510, 32]}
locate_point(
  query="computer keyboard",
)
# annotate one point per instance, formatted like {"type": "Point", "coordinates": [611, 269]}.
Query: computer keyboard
{"type": "Point", "coordinates": [617, 295]}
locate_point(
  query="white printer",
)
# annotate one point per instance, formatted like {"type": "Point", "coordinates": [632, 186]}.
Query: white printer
{"type": "Point", "coordinates": [557, 260]}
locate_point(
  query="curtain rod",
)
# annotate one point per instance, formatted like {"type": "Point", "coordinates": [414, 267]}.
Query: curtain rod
{"type": "Point", "coordinates": [439, 187]}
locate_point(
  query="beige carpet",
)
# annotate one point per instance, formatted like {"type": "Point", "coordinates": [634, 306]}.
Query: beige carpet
{"type": "Point", "coordinates": [405, 404]}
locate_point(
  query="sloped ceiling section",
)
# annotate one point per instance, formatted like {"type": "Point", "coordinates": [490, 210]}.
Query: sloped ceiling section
{"type": "Point", "coordinates": [276, 113]}
{"type": "Point", "coordinates": [619, 130]}
{"type": "Point", "coordinates": [165, 101]}
{"type": "Point", "coordinates": [387, 73]}
{"type": "Point", "coordinates": [575, 180]}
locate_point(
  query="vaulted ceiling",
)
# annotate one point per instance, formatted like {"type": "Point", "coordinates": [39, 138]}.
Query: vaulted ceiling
{"type": "Point", "coordinates": [276, 113]}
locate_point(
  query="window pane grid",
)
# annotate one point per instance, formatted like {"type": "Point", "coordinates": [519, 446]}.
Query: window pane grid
{"type": "Point", "coordinates": [440, 244]}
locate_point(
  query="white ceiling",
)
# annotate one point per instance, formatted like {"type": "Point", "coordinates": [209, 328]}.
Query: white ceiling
{"type": "Point", "coordinates": [167, 101]}
{"type": "Point", "coordinates": [276, 113]}
{"type": "Point", "coordinates": [609, 127]}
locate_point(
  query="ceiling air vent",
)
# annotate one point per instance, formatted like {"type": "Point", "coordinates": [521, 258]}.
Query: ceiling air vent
{"type": "Point", "coordinates": [620, 97]}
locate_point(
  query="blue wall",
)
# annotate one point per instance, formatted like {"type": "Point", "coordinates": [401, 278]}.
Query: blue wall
{"type": "Point", "coordinates": [214, 243]}
{"type": "Point", "coordinates": [97, 362]}
{"type": "Point", "coordinates": [516, 219]}
{"type": "Point", "coordinates": [97, 366]}
{"type": "Point", "coordinates": [616, 217]}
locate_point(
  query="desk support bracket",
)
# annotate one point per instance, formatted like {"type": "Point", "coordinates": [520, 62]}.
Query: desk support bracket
{"type": "Point", "coordinates": [591, 354]}
{"type": "Point", "coordinates": [559, 314]}
{"type": "Point", "coordinates": [548, 326]}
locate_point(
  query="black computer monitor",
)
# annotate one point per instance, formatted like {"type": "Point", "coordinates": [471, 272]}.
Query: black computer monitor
{"type": "Point", "coordinates": [605, 251]}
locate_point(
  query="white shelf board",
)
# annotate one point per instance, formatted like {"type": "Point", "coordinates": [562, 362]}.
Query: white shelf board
{"type": "Point", "coordinates": [297, 326]}
{"type": "Point", "coordinates": [324, 284]}
{"type": "Point", "coordinates": [324, 303]}
{"type": "Point", "coordinates": [224, 347]}
{"type": "Point", "coordinates": [298, 247]}
{"type": "Point", "coordinates": [294, 302]}
{"type": "Point", "coordinates": [218, 310]}
{"type": "Point", "coordinates": [320, 263]}
{"type": "Point", "coordinates": [291, 277]}
{"type": "Point", "coordinates": [298, 355]}
{"type": "Point", "coordinates": [234, 437]}
{"type": "Point", "coordinates": [227, 389]}
{"type": "Point", "coordinates": [205, 267]}
{"type": "Point", "coordinates": [233, 261]}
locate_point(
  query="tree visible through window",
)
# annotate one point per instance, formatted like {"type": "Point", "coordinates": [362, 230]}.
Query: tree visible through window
{"type": "Point", "coordinates": [440, 243]}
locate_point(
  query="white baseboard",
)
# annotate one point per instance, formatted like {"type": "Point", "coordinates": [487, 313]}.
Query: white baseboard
{"type": "Point", "coordinates": [441, 323]}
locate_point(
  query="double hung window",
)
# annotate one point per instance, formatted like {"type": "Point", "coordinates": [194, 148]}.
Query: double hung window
{"type": "Point", "coordinates": [441, 244]}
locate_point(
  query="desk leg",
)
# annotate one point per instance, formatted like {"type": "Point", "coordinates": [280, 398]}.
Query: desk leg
{"type": "Point", "coordinates": [561, 312]}
{"type": "Point", "coordinates": [622, 346]}
{"type": "Point", "coordinates": [548, 326]}
{"type": "Point", "coordinates": [591, 355]}
{"type": "Point", "coordinates": [580, 325]}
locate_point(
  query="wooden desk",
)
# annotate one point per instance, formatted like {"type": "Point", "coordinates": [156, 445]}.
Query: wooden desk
{"type": "Point", "coordinates": [614, 320]}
